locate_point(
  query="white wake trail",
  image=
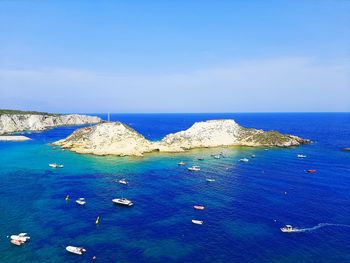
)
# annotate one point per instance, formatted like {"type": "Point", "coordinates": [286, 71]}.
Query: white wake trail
{"type": "Point", "coordinates": [319, 226]}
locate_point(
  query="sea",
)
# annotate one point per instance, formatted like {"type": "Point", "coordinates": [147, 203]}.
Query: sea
{"type": "Point", "coordinates": [245, 206]}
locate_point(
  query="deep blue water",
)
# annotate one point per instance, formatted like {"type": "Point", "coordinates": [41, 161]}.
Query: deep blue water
{"type": "Point", "coordinates": [245, 206]}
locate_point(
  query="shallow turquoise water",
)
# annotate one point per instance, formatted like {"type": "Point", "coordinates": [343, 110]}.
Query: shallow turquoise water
{"type": "Point", "coordinates": [245, 206]}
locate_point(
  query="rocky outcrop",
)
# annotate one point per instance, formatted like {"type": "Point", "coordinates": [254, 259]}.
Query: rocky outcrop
{"type": "Point", "coordinates": [113, 138]}
{"type": "Point", "coordinates": [10, 123]}
{"type": "Point", "coordinates": [119, 139]}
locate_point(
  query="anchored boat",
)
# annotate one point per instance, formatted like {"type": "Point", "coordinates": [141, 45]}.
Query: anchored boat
{"type": "Point", "coordinates": [123, 181]}
{"type": "Point", "coordinates": [56, 165]}
{"type": "Point", "coordinates": [122, 201]}
{"type": "Point", "coordinates": [81, 201]}
{"type": "Point", "coordinates": [76, 250]}
{"type": "Point", "coordinates": [197, 222]}
{"type": "Point", "coordinates": [194, 168]}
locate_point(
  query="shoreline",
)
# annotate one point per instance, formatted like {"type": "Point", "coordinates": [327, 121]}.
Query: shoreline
{"type": "Point", "coordinates": [14, 138]}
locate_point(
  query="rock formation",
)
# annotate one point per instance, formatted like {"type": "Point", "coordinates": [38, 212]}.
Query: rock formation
{"type": "Point", "coordinates": [10, 123]}
{"type": "Point", "coordinates": [119, 139]}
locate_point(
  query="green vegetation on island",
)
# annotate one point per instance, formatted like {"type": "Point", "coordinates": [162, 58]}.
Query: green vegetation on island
{"type": "Point", "coordinates": [5, 111]}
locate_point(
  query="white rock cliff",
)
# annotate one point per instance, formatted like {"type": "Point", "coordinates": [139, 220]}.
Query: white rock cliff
{"type": "Point", "coordinates": [10, 123]}
{"type": "Point", "coordinates": [115, 138]}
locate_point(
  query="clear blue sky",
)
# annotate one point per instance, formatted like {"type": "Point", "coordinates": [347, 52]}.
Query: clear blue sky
{"type": "Point", "coordinates": [175, 56]}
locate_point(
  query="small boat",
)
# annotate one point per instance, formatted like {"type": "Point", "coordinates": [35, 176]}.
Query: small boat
{"type": "Point", "coordinates": [217, 156]}
{"type": "Point", "coordinates": [181, 163]}
{"type": "Point", "coordinates": [311, 171]}
{"type": "Point", "coordinates": [194, 168]}
{"type": "Point", "coordinates": [210, 180]}
{"type": "Point", "coordinates": [253, 156]}
{"type": "Point", "coordinates": [80, 201]}
{"type": "Point", "coordinates": [301, 156]}
{"type": "Point", "coordinates": [123, 181]}
{"type": "Point", "coordinates": [244, 160]}
{"type": "Point", "coordinates": [56, 165]}
{"type": "Point", "coordinates": [22, 237]}
{"type": "Point", "coordinates": [76, 250]}
{"type": "Point", "coordinates": [198, 207]}
{"type": "Point", "coordinates": [197, 222]}
{"type": "Point", "coordinates": [122, 201]}
{"type": "Point", "coordinates": [200, 159]}
{"type": "Point", "coordinates": [289, 229]}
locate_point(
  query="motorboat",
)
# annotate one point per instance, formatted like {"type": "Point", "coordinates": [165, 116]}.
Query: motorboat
{"type": "Point", "coordinates": [244, 160]}
{"type": "Point", "coordinates": [198, 207]}
{"type": "Point", "coordinates": [22, 237]}
{"type": "Point", "coordinates": [311, 171]}
{"type": "Point", "coordinates": [194, 168]}
{"type": "Point", "coordinates": [181, 163]}
{"type": "Point", "coordinates": [122, 201]}
{"type": "Point", "coordinates": [218, 156]}
{"type": "Point", "coordinates": [200, 159]}
{"type": "Point", "coordinates": [289, 229]}
{"type": "Point", "coordinates": [253, 156]}
{"type": "Point", "coordinates": [197, 222]}
{"type": "Point", "coordinates": [56, 165]}
{"type": "Point", "coordinates": [301, 156]}
{"type": "Point", "coordinates": [210, 180]}
{"type": "Point", "coordinates": [80, 201]}
{"type": "Point", "coordinates": [76, 250]}
{"type": "Point", "coordinates": [123, 181]}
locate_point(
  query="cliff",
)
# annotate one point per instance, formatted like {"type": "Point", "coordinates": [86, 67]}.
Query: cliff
{"type": "Point", "coordinates": [119, 139]}
{"type": "Point", "coordinates": [14, 122]}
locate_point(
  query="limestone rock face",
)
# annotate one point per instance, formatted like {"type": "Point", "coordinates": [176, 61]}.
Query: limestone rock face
{"type": "Point", "coordinates": [113, 138]}
{"type": "Point", "coordinates": [211, 133]}
{"type": "Point", "coordinates": [119, 139]}
{"type": "Point", "coordinates": [10, 123]}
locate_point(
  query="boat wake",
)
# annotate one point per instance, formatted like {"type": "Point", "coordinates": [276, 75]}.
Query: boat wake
{"type": "Point", "coordinates": [319, 226]}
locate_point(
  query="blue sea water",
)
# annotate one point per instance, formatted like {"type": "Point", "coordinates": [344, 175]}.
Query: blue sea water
{"type": "Point", "coordinates": [245, 206]}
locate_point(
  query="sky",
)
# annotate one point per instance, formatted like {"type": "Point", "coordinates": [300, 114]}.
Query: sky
{"type": "Point", "coordinates": [175, 56]}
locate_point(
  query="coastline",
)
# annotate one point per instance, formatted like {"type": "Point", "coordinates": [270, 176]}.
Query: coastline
{"type": "Point", "coordinates": [14, 138]}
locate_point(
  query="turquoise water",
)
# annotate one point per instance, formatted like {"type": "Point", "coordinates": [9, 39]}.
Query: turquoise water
{"type": "Point", "coordinates": [245, 206]}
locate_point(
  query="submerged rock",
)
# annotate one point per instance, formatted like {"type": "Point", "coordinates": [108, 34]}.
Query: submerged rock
{"type": "Point", "coordinates": [119, 139]}
{"type": "Point", "coordinates": [10, 123]}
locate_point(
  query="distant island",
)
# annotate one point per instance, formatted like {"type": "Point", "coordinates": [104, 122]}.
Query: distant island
{"type": "Point", "coordinates": [116, 138]}
{"type": "Point", "coordinates": [13, 121]}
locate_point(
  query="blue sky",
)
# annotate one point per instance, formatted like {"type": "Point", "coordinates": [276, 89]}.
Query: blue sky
{"type": "Point", "coordinates": [175, 56]}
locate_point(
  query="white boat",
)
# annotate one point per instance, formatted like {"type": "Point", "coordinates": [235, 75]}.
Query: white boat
{"type": "Point", "coordinates": [301, 156]}
{"type": "Point", "coordinates": [218, 156]}
{"type": "Point", "coordinates": [289, 229]}
{"type": "Point", "coordinates": [194, 168]}
{"type": "Point", "coordinates": [210, 180]}
{"type": "Point", "coordinates": [122, 201]}
{"type": "Point", "coordinates": [197, 222]}
{"type": "Point", "coordinates": [253, 156]}
{"type": "Point", "coordinates": [22, 237]}
{"type": "Point", "coordinates": [181, 163]}
{"type": "Point", "coordinates": [80, 201]}
{"type": "Point", "coordinates": [56, 165]}
{"type": "Point", "coordinates": [123, 181]}
{"type": "Point", "coordinates": [244, 160]}
{"type": "Point", "coordinates": [76, 250]}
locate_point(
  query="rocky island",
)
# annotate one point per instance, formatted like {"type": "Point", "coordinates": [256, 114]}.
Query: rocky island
{"type": "Point", "coordinates": [116, 138]}
{"type": "Point", "coordinates": [20, 121]}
